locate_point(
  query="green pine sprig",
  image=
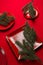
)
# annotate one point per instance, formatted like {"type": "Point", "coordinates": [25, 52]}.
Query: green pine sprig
{"type": "Point", "coordinates": [28, 52]}
{"type": "Point", "coordinates": [29, 7]}
{"type": "Point", "coordinates": [27, 46]}
{"type": "Point", "coordinates": [32, 12]}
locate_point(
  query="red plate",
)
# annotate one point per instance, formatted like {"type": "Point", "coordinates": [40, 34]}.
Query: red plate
{"type": "Point", "coordinates": [8, 26]}
{"type": "Point", "coordinates": [27, 15]}
{"type": "Point", "coordinates": [17, 35]}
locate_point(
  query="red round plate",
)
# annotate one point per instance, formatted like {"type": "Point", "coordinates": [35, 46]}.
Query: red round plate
{"type": "Point", "coordinates": [8, 26]}
{"type": "Point", "coordinates": [27, 15]}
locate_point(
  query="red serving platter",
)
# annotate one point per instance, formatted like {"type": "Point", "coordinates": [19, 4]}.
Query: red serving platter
{"type": "Point", "coordinates": [13, 36]}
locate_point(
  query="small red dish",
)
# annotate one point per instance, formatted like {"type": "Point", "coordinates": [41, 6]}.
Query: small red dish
{"type": "Point", "coordinates": [27, 15]}
{"type": "Point", "coordinates": [2, 28]}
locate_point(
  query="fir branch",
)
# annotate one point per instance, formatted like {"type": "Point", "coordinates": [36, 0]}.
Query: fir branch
{"type": "Point", "coordinates": [29, 7]}
{"type": "Point", "coordinates": [28, 52]}
{"type": "Point", "coordinates": [27, 46]}
{"type": "Point", "coordinates": [3, 16]}
{"type": "Point", "coordinates": [31, 10]}
{"type": "Point", "coordinates": [29, 34]}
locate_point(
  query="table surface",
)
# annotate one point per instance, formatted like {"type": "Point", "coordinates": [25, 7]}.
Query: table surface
{"type": "Point", "coordinates": [15, 8]}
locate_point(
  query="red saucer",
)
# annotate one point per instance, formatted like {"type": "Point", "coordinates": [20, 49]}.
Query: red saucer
{"type": "Point", "coordinates": [8, 26]}
{"type": "Point", "coordinates": [27, 15]}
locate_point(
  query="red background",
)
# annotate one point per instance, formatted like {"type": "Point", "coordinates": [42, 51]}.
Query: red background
{"type": "Point", "coordinates": [15, 8]}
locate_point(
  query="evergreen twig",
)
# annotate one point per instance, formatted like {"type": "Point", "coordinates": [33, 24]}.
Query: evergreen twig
{"type": "Point", "coordinates": [28, 52]}
{"type": "Point", "coordinates": [27, 46]}
{"type": "Point", "coordinates": [29, 7]}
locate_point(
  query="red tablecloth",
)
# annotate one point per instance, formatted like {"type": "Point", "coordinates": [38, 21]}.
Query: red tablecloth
{"type": "Point", "coordinates": [15, 8]}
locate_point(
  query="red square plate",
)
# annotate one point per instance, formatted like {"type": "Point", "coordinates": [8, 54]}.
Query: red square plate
{"type": "Point", "coordinates": [17, 35]}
